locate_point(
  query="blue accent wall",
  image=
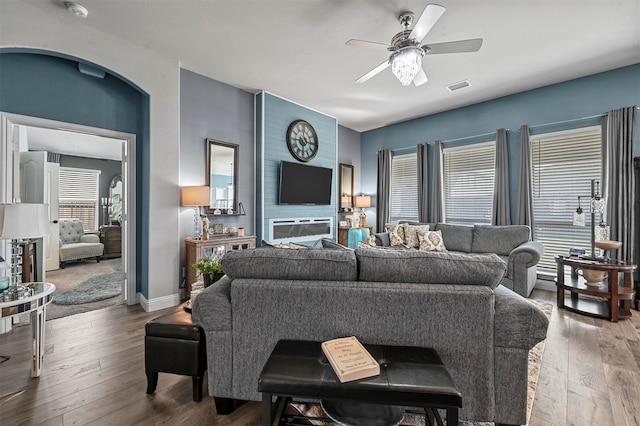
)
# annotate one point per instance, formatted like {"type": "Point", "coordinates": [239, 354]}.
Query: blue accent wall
{"type": "Point", "coordinates": [273, 116]}
{"type": "Point", "coordinates": [47, 85]}
{"type": "Point", "coordinates": [568, 105]}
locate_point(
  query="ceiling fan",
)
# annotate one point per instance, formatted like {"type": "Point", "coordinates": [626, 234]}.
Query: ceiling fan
{"type": "Point", "coordinates": [406, 51]}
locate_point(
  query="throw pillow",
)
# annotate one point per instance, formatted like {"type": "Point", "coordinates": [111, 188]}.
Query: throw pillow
{"type": "Point", "coordinates": [411, 234]}
{"type": "Point", "coordinates": [372, 240]}
{"type": "Point", "coordinates": [431, 241]}
{"type": "Point", "coordinates": [297, 246]}
{"type": "Point", "coordinates": [396, 234]}
{"type": "Point", "coordinates": [274, 245]}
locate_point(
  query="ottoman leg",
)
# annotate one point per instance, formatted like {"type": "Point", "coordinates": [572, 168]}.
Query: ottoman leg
{"type": "Point", "coordinates": [197, 388]}
{"type": "Point", "coordinates": [152, 381]}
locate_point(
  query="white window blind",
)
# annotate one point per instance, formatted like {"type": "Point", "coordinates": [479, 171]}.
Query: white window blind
{"type": "Point", "coordinates": [563, 165]}
{"type": "Point", "coordinates": [79, 195]}
{"type": "Point", "coordinates": [404, 188]}
{"type": "Point", "coordinates": [469, 173]}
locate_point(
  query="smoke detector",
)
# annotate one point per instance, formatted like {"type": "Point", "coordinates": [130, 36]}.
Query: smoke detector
{"type": "Point", "coordinates": [76, 9]}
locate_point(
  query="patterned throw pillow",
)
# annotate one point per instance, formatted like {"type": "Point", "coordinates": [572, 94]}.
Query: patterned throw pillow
{"type": "Point", "coordinates": [431, 241]}
{"type": "Point", "coordinates": [274, 245]}
{"type": "Point", "coordinates": [372, 240]}
{"type": "Point", "coordinates": [297, 246]}
{"type": "Point", "coordinates": [363, 245]}
{"type": "Point", "coordinates": [396, 234]}
{"type": "Point", "coordinates": [411, 234]}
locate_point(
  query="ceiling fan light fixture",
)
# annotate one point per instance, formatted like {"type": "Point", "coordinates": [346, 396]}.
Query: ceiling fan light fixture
{"type": "Point", "coordinates": [406, 63]}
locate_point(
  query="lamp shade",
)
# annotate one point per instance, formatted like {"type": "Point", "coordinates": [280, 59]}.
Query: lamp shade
{"type": "Point", "coordinates": [195, 195]}
{"type": "Point", "coordinates": [24, 220]}
{"type": "Point", "coordinates": [363, 201]}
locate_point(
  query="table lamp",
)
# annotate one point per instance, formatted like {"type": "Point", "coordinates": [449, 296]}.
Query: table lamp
{"type": "Point", "coordinates": [22, 221]}
{"type": "Point", "coordinates": [362, 202]}
{"type": "Point", "coordinates": [196, 197]}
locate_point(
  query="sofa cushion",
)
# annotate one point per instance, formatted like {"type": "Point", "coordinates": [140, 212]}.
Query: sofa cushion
{"type": "Point", "coordinates": [287, 264]}
{"type": "Point", "coordinates": [411, 234]}
{"type": "Point", "coordinates": [428, 267]}
{"type": "Point", "coordinates": [431, 241]}
{"type": "Point", "coordinates": [498, 239]}
{"type": "Point", "coordinates": [396, 234]}
{"type": "Point", "coordinates": [456, 237]}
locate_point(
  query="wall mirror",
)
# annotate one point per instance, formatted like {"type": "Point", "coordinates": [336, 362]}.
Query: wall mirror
{"type": "Point", "coordinates": [222, 177]}
{"type": "Point", "coordinates": [115, 193]}
{"type": "Point", "coordinates": [346, 188]}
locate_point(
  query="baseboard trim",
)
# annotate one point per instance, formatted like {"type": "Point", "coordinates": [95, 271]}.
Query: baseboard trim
{"type": "Point", "coordinates": [159, 302]}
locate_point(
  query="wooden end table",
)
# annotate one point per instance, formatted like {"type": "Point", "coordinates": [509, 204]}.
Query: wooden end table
{"type": "Point", "coordinates": [609, 300]}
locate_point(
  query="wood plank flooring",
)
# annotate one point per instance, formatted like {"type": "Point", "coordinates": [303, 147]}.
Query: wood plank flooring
{"type": "Point", "coordinates": [94, 375]}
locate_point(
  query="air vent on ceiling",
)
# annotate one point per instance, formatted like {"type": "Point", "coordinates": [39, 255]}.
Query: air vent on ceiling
{"type": "Point", "coordinates": [459, 85]}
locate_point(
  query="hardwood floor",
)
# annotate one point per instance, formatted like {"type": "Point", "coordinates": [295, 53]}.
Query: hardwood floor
{"type": "Point", "coordinates": [94, 375]}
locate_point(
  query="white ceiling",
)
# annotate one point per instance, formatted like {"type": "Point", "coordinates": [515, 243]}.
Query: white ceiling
{"type": "Point", "coordinates": [296, 48]}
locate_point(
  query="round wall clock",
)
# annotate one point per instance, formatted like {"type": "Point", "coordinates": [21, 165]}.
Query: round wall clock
{"type": "Point", "coordinates": [302, 140]}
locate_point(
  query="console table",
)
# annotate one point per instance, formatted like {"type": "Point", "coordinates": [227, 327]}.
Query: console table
{"type": "Point", "coordinates": [36, 304]}
{"type": "Point", "coordinates": [608, 300]}
{"type": "Point", "coordinates": [198, 248]}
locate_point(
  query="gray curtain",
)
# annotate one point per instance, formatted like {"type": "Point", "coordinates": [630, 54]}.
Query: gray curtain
{"type": "Point", "coordinates": [423, 184]}
{"type": "Point", "coordinates": [524, 210]}
{"type": "Point", "coordinates": [501, 214]}
{"type": "Point", "coordinates": [437, 192]}
{"type": "Point", "coordinates": [384, 189]}
{"type": "Point", "coordinates": [618, 137]}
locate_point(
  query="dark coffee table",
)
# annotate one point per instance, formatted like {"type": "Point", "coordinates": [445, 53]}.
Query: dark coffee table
{"type": "Point", "coordinates": [409, 377]}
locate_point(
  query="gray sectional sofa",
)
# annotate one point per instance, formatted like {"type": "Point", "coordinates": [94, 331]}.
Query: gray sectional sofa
{"type": "Point", "coordinates": [449, 301]}
{"type": "Point", "coordinates": [512, 243]}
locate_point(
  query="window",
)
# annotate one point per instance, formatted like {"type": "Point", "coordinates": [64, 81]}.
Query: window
{"type": "Point", "coordinates": [468, 183]}
{"type": "Point", "coordinates": [404, 187]}
{"type": "Point", "coordinates": [79, 195]}
{"type": "Point", "coordinates": [563, 165]}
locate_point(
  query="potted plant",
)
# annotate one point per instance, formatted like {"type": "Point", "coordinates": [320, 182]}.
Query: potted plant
{"type": "Point", "coordinates": [210, 269]}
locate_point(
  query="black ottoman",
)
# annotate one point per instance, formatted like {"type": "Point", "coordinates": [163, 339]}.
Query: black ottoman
{"type": "Point", "coordinates": [174, 344]}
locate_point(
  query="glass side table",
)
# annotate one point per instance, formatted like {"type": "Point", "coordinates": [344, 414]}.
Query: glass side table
{"type": "Point", "coordinates": [36, 305]}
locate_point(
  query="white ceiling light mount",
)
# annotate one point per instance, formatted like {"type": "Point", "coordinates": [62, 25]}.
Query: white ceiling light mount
{"type": "Point", "coordinates": [76, 10]}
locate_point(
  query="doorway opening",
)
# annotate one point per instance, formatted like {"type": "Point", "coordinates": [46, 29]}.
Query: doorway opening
{"type": "Point", "coordinates": [83, 145]}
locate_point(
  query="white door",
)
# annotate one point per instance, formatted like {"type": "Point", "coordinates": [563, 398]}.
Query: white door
{"type": "Point", "coordinates": [52, 261]}
{"type": "Point", "coordinates": [32, 190]}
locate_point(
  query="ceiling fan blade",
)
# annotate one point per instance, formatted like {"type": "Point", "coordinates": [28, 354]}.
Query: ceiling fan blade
{"type": "Point", "coordinates": [420, 78]}
{"type": "Point", "coordinates": [460, 46]}
{"type": "Point", "coordinates": [373, 72]}
{"type": "Point", "coordinates": [368, 44]}
{"type": "Point", "coordinates": [427, 20]}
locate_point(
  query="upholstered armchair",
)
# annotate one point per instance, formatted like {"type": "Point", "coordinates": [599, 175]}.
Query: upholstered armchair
{"type": "Point", "coordinates": [75, 244]}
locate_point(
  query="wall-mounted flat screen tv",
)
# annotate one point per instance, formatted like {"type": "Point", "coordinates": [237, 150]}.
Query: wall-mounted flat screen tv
{"type": "Point", "coordinates": [304, 184]}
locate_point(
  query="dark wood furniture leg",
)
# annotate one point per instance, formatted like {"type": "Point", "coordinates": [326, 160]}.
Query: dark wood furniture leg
{"type": "Point", "coordinates": [224, 406]}
{"type": "Point", "coordinates": [197, 387]}
{"type": "Point", "coordinates": [152, 381]}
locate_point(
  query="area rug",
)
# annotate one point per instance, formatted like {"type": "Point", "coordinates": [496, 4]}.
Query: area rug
{"type": "Point", "coordinates": [96, 288]}
{"type": "Point", "coordinates": [535, 361]}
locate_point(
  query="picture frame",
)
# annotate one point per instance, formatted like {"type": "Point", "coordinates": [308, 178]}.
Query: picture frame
{"type": "Point", "coordinates": [349, 222]}
{"type": "Point", "coordinates": [343, 223]}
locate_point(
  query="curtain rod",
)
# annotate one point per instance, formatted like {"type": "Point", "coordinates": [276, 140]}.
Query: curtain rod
{"type": "Point", "coordinates": [471, 137]}
{"type": "Point", "coordinates": [572, 120]}
{"type": "Point", "coordinates": [565, 121]}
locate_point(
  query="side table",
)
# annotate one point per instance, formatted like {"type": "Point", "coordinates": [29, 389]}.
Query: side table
{"type": "Point", "coordinates": [350, 237]}
{"type": "Point", "coordinates": [36, 304]}
{"type": "Point", "coordinates": [608, 300]}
